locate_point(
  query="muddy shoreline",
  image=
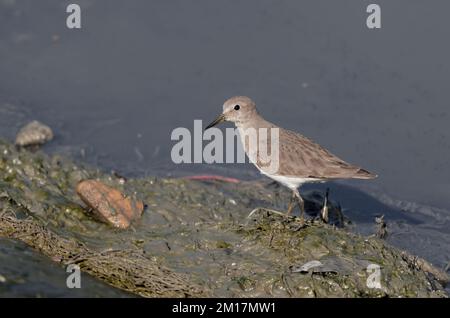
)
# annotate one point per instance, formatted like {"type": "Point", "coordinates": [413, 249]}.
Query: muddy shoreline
{"type": "Point", "coordinates": [194, 238]}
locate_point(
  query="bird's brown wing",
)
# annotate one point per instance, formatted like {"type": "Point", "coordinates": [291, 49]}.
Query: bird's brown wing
{"type": "Point", "coordinates": [301, 157]}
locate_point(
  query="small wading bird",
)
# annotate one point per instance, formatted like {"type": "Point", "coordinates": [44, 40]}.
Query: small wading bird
{"type": "Point", "coordinates": [300, 160]}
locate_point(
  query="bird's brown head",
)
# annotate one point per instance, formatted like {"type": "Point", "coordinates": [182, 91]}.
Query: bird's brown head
{"type": "Point", "coordinates": [237, 109]}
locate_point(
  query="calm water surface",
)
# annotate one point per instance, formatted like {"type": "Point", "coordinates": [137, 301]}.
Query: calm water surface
{"type": "Point", "coordinates": [114, 90]}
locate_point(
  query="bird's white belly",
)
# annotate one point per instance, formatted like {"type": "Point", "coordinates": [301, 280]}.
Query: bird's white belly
{"type": "Point", "coordinates": [291, 182]}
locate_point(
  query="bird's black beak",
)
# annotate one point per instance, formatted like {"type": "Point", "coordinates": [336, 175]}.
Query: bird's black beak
{"type": "Point", "coordinates": [216, 121]}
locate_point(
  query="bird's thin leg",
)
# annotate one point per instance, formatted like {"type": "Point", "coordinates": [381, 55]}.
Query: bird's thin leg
{"type": "Point", "coordinates": [301, 204]}
{"type": "Point", "coordinates": [288, 213]}
{"type": "Point", "coordinates": [291, 204]}
{"type": "Point", "coordinates": [295, 195]}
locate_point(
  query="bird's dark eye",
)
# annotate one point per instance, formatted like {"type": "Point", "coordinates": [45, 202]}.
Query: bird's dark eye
{"type": "Point", "coordinates": [237, 107]}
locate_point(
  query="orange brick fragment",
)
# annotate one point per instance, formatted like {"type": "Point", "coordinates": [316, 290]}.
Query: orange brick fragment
{"type": "Point", "coordinates": [109, 204]}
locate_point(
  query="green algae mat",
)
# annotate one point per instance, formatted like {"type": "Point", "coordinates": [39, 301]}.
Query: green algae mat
{"type": "Point", "coordinates": [196, 239]}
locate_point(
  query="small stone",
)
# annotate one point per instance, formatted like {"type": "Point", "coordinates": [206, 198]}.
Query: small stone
{"type": "Point", "coordinates": [34, 133]}
{"type": "Point", "coordinates": [109, 204]}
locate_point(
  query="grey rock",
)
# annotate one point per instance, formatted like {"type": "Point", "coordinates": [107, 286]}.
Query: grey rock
{"type": "Point", "coordinates": [34, 133]}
